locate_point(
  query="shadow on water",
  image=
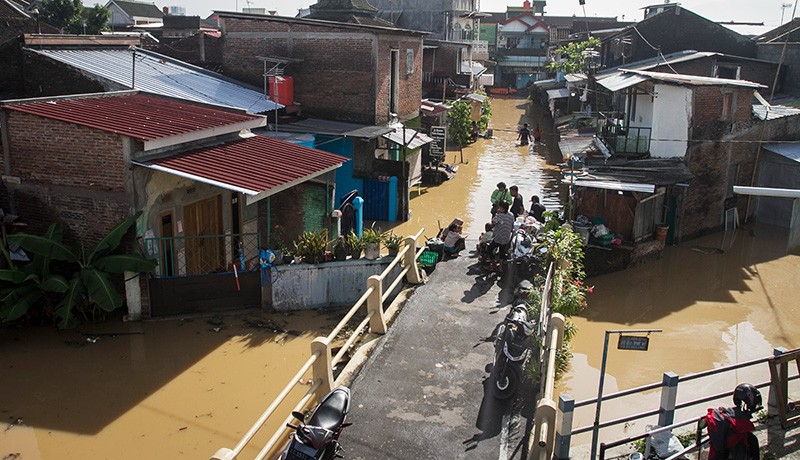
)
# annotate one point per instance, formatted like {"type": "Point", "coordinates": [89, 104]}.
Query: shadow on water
{"type": "Point", "coordinates": [151, 380]}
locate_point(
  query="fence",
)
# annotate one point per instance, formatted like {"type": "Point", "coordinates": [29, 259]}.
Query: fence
{"type": "Point", "coordinates": [200, 255]}
{"type": "Point", "coordinates": [665, 413]}
{"type": "Point", "coordinates": [630, 140]}
{"type": "Point", "coordinates": [321, 362]}
{"type": "Point", "coordinates": [551, 337]}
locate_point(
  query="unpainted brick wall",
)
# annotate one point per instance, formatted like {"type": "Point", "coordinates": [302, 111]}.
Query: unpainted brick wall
{"type": "Point", "coordinates": [714, 150]}
{"type": "Point", "coordinates": [68, 173]}
{"type": "Point", "coordinates": [337, 76]}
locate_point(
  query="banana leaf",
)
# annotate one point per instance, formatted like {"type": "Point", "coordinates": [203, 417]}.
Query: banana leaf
{"type": "Point", "coordinates": [54, 283]}
{"type": "Point", "coordinates": [40, 264]}
{"type": "Point", "coordinates": [120, 263]}
{"type": "Point", "coordinates": [113, 238]}
{"type": "Point", "coordinates": [19, 301]}
{"type": "Point", "coordinates": [100, 289]}
{"type": "Point", "coordinates": [65, 308]}
{"type": "Point", "coordinates": [44, 246]}
{"type": "Point", "coordinates": [13, 276]}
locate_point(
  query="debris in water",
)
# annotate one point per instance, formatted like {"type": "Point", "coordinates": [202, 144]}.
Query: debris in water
{"type": "Point", "coordinates": [91, 339]}
{"type": "Point", "coordinates": [182, 428]}
{"type": "Point", "coordinates": [216, 329]}
{"type": "Point", "coordinates": [17, 421]}
{"type": "Point", "coordinates": [707, 250]}
{"type": "Point", "coordinates": [304, 381]}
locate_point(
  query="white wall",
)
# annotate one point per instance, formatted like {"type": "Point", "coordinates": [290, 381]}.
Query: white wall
{"type": "Point", "coordinates": [672, 111]}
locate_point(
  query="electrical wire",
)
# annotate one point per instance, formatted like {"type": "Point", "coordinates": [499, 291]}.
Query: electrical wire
{"type": "Point", "coordinates": [658, 50]}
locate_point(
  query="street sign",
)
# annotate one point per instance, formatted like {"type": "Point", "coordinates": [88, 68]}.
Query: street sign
{"type": "Point", "coordinates": [633, 342]}
{"type": "Point", "coordinates": [439, 145]}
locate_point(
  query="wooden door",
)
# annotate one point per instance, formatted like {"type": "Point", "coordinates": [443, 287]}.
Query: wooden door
{"type": "Point", "coordinates": [203, 229]}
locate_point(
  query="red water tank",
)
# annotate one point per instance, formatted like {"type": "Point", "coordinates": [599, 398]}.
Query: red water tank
{"type": "Point", "coordinates": [281, 90]}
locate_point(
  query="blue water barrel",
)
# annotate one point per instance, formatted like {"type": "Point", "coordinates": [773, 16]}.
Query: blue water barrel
{"type": "Point", "coordinates": [306, 140]}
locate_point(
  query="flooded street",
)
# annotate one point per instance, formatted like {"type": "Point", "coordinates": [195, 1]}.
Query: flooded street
{"type": "Point", "coordinates": [184, 388]}
{"type": "Point", "coordinates": [486, 162]}
{"type": "Point", "coordinates": [165, 389]}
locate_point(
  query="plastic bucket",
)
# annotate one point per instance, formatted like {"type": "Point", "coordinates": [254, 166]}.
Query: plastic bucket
{"type": "Point", "coordinates": [584, 233]}
{"type": "Point", "coordinates": [661, 232]}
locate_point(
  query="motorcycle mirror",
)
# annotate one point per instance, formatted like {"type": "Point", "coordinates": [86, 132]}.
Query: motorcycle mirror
{"type": "Point", "coordinates": [299, 416]}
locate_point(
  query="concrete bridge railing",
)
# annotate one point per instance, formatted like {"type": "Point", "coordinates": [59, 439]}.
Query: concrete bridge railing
{"type": "Point", "coordinates": [322, 361]}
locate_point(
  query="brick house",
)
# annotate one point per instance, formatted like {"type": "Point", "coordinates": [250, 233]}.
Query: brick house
{"type": "Point", "coordinates": [665, 126]}
{"type": "Point", "coordinates": [343, 72]}
{"type": "Point", "coordinates": [208, 187]}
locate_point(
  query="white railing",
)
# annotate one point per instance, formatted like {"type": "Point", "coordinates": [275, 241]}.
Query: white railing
{"type": "Point", "coordinates": [321, 363]}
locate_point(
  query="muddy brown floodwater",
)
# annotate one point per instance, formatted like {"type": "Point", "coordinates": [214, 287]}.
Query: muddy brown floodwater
{"type": "Point", "coordinates": [715, 308]}
{"type": "Point", "coordinates": [161, 389]}
{"type": "Point", "coordinates": [485, 163]}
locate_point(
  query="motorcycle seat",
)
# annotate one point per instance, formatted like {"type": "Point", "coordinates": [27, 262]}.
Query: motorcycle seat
{"type": "Point", "coordinates": [331, 412]}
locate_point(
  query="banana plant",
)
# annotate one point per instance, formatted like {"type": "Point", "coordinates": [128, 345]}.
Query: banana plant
{"type": "Point", "coordinates": [88, 279]}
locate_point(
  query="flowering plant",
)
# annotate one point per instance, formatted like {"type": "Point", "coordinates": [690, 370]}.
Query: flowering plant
{"type": "Point", "coordinates": [569, 296]}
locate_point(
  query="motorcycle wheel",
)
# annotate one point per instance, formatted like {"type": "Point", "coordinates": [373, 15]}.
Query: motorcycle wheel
{"type": "Point", "coordinates": [505, 384]}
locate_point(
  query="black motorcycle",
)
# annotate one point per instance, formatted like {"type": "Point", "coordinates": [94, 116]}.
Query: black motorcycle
{"type": "Point", "coordinates": [319, 438]}
{"type": "Point", "coordinates": [512, 345]}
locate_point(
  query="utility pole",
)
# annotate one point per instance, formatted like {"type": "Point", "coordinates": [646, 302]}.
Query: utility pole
{"type": "Point", "coordinates": [784, 7]}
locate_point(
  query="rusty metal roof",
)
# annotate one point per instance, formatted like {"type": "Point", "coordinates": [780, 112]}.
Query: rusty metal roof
{"type": "Point", "coordinates": [257, 166]}
{"type": "Point", "coordinates": [139, 115]}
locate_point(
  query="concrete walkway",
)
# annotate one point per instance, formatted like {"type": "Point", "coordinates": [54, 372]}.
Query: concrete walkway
{"type": "Point", "coordinates": [423, 393]}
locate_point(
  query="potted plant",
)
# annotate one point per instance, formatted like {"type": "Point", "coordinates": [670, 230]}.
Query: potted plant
{"type": "Point", "coordinates": [392, 243]}
{"type": "Point", "coordinates": [276, 243]}
{"type": "Point", "coordinates": [354, 245]}
{"type": "Point", "coordinates": [311, 246]}
{"type": "Point", "coordinates": [371, 240]}
{"type": "Point", "coordinates": [340, 250]}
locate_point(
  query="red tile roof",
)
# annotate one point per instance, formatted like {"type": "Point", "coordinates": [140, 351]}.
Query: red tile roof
{"type": "Point", "coordinates": [252, 165]}
{"type": "Point", "coordinates": [137, 115]}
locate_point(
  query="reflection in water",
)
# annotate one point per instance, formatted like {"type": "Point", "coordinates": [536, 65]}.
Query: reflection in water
{"type": "Point", "coordinates": [715, 309]}
{"type": "Point", "coordinates": [166, 389]}
{"type": "Point", "coordinates": [486, 162]}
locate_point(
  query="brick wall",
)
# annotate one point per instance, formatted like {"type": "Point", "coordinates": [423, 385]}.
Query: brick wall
{"type": "Point", "coordinates": [336, 79]}
{"type": "Point", "coordinates": [67, 173]}
{"type": "Point", "coordinates": [710, 161]}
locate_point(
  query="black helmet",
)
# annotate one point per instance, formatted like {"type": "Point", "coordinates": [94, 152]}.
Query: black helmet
{"type": "Point", "coordinates": [747, 398]}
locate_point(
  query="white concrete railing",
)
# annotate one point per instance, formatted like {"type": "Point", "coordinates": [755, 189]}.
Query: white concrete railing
{"type": "Point", "coordinates": [321, 362]}
{"type": "Point", "coordinates": [551, 330]}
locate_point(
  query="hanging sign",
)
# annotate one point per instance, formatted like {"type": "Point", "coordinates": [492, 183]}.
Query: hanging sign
{"type": "Point", "coordinates": [633, 342]}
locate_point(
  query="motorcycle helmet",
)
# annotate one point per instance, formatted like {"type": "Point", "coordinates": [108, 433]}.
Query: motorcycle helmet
{"type": "Point", "coordinates": [747, 398]}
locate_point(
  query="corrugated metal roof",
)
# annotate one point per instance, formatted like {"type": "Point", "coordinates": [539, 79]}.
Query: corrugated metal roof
{"type": "Point", "coordinates": [622, 81]}
{"type": "Point", "coordinates": [695, 80]}
{"type": "Point", "coordinates": [773, 112]}
{"type": "Point", "coordinates": [790, 150]}
{"type": "Point", "coordinates": [557, 93]}
{"type": "Point", "coordinates": [613, 185]}
{"type": "Point", "coordinates": [257, 166]}
{"type": "Point", "coordinates": [403, 136]}
{"type": "Point", "coordinates": [160, 74]}
{"type": "Point", "coordinates": [334, 128]}
{"type": "Point", "coordinates": [140, 116]}
{"type": "Point", "coordinates": [575, 77]}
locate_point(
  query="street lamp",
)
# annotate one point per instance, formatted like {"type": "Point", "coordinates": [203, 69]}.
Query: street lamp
{"type": "Point", "coordinates": [626, 342]}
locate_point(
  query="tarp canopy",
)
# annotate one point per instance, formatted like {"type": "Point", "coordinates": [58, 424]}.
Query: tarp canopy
{"type": "Point", "coordinates": [557, 93]}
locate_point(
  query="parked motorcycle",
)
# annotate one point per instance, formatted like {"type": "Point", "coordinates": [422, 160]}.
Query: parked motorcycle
{"type": "Point", "coordinates": [730, 430]}
{"type": "Point", "coordinates": [512, 345]}
{"type": "Point", "coordinates": [319, 438]}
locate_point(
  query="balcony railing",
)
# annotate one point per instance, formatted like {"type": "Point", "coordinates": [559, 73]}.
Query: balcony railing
{"type": "Point", "coordinates": [621, 140]}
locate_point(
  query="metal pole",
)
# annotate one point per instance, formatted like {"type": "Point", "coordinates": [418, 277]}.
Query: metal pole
{"type": "Point", "coordinates": [596, 424]}
{"type": "Point", "coordinates": [133, 71]}
{"type": "Point", "coordinates": [596, 427]}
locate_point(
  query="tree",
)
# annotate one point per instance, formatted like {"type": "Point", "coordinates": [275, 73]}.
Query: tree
{"type": "Point", "coordinates": [63, 14]}
{"type": "Point", "coordinates": [573, 57]}
{"type": "Point", "coordinates": [97, 19]}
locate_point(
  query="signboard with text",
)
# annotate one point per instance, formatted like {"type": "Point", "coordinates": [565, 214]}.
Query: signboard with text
{"type": "Point", "coordinates": [633, 342]}
{"type": "Point", "coordinates": [439, 145]}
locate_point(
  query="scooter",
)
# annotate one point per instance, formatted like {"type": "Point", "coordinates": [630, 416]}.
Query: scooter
{"type": "Point", "coordinates": [512, 345]}
{"type": "Point", "coordinates": [319, 438]}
